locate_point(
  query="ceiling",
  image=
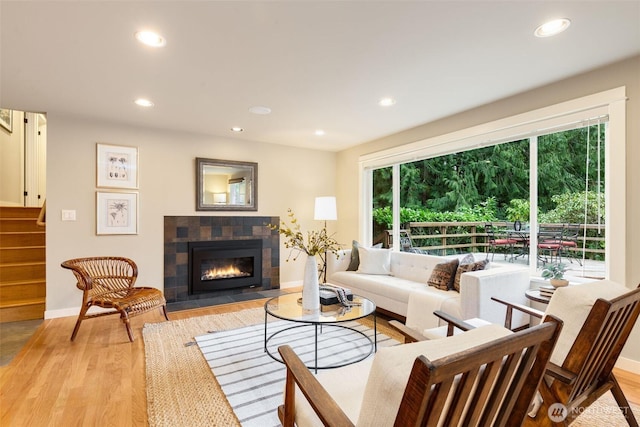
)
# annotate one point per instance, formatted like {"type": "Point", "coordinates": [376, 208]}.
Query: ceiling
{"type": "Point", "coordinates": [315, 64]}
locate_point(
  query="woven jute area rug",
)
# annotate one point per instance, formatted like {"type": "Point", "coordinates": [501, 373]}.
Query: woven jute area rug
{"type": "Point", "coordinates": [182, 391]}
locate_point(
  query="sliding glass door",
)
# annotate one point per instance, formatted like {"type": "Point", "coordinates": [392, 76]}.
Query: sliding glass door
{"type": "Point", "coordinates": [446, 201]}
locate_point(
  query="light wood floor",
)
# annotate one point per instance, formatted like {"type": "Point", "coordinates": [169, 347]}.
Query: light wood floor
{"type": "Point", "coordinates": [99, 379]}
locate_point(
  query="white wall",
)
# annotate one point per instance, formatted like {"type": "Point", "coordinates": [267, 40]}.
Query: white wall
{"type": "Point", "coordinates": [624, 73]}
{"type": "Point", "coordinates": [287, 178]}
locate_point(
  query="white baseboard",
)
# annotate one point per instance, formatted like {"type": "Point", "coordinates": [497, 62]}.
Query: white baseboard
{"type": "Point", "coordinates": [63, 312]}
{"type": "Point", "coordinates": [629, 365]}
{"type": "Point", "coordinates": [294, 284]}
{"type": "Point", "coordinates": [73, 311]}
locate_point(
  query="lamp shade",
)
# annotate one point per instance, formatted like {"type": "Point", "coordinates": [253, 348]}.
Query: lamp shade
{"type": "Point", "coordinates": [325, 209]}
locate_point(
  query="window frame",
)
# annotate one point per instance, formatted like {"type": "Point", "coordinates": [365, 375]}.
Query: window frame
{"type": "Point", "coordinates": [554, 118]}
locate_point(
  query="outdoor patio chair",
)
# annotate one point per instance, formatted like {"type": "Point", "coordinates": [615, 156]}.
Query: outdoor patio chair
{"type": "Point", "coordinates": [569, 243]}
{"type": "Point", "coordinates": [107, 282]}
{"type": "Point", "coordinates": [598, 318]}
{"type": "Point", "coordinates": [497, 240]}
{"type": "Point", "coordinates": [487, 378]}
{"type": "Point", "coordinates": [406, 243]}
{"type": "Point", "coordinates": [550, 243]}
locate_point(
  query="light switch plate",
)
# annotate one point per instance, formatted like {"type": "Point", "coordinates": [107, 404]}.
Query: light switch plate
{"type": "Point", "coordinates": [68, 215]}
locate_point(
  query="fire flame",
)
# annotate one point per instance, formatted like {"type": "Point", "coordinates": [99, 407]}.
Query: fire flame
{"type": "Point", "coordinates": [227, 272]}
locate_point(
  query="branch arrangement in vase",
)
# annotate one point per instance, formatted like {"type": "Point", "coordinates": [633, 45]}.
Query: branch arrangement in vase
{"type": "Point", "coordinates": [312, 243]}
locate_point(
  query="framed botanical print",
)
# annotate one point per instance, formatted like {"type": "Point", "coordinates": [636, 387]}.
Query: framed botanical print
{"type": "Point", "coordinates": [116, 166]}
{"type": "Point", "coordinates": [116, 213]}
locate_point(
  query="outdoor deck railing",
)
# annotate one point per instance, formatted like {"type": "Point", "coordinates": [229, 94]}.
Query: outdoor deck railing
{"type": "Point", "coordinates": [446, 238]}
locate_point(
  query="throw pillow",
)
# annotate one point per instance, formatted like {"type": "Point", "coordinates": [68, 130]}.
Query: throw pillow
{"type": "Point", "coordinates": [463, 268]}
{"type": "Point", "coordinates": [374, 261]}
{"type": "Point", "coordinates": [355, 258]}
{"type": "Point", "coordinates": [467, 259]}
{"type": "Point", "coordinates": [443, 275]}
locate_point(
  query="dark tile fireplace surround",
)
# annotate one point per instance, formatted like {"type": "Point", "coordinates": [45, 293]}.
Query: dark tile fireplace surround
{"type": "Point", "coordinates": [180, 231]}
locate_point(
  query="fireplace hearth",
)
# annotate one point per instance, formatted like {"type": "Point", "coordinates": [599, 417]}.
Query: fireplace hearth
{"type": "Point", "coordinates": [224, 264]}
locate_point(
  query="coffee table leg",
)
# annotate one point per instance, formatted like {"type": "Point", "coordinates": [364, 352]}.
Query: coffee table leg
{"type": "Point", "coordinates": [316, 350]}
{"type": "Point", "coordinates": [265, 330]}
{"type": "Point", "coordinates": [375, 332]}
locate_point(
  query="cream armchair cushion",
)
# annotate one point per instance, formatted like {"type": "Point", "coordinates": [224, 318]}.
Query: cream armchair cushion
{"type": "Point", "coordinates": [572, 304]}
{"type": "Point", "coordinates": [384, 379]}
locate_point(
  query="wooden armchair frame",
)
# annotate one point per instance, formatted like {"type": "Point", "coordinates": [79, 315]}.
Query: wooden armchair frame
{"type": "Point", "coordinates": [587, 371]}
{"type": "Point", "coordinates": [495, 381]}
{"type": "Point", "coordinates": [108, 282]}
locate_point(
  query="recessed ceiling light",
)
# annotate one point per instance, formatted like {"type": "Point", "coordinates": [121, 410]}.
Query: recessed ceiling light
{"type": "Point", "coordinates": [260, 110]}
{"type": "Point", "coordinates": [237, 129]}
{"type": "Point", "coordinates": [552, 28]}
{"type": "Point", "coordinates": [386, 102]}
{"type": "Point", "coordinates": [150, 38]}
{"type": "Point", "coordinates": [143, 102]}
{"type": "Point", "coordinates": [319, 132]}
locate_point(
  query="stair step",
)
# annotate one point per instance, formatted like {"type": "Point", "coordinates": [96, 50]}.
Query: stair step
{"type": "Point", "coordinates": [25, 310]}
{"type": "Point", "coordinates": [21, 290]}
{"type": "Point", "coordinates": [22, 264]}
{"type": "Point", "coordinates": [27, 238]}
{"type": "Point", "coordinates": [19, 212]}
{"type": "Point", "coordinates": [22, 254]}
{"type": "Point", "coordinates": [19, 224]}
{"type": "Point", "coordinates": [22, 271]}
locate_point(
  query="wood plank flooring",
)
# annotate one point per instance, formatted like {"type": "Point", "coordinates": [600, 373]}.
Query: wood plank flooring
{"type": "Point", "coordinates": [99, 379]}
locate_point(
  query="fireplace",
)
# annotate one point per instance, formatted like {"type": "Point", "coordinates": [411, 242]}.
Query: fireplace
{"type": "Point", "coordinates": [182, 232]}
{"type": "Point", "coordinates": [224, 264]}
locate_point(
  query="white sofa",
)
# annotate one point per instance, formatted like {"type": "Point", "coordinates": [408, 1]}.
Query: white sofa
{"type": "Point", "coordinates": [405, 292]}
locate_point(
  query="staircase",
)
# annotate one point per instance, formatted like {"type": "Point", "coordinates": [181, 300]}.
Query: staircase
{"type": "Point", "coordinates": [22, 265]}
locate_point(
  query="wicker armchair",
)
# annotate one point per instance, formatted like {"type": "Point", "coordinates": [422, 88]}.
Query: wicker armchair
{"type": "Point", "coordinates": [107, 282]}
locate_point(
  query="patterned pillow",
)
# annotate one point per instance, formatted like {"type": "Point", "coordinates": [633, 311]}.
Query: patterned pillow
{"type": "Point", "coordinates": [443, 274]}
{"type": "Point", "coordinates": [463, 268]}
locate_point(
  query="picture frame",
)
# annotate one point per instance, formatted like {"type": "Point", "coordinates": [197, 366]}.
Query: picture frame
{"type": "Point", "coordinates": [6, 119]}
{"type": "Point", "coordinates": [116, 212]}
{"type": "Point", "coordinates": [116, 166]}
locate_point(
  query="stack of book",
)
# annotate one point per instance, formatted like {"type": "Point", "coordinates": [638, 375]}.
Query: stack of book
{"type": "Point", "coordinates": [547, 291]}
{"type": "Point", "coordinates": [332, 294]}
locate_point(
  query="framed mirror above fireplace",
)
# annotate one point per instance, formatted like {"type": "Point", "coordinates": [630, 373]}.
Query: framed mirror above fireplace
{"type": "Point", "coordinates": [226, 185]}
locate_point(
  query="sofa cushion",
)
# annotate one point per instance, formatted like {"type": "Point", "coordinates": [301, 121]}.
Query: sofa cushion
{"type": "Point", "coordinates": [374, 261]}
{"type": "Point", "coordinates": [371, 285]}
{"type": "Point", "coordinates": [354, 263]}
{"type": "Point", "coordinates": [416, 267]}
{"type": "Point", "coordinates": [443, 275]}
{"type": "Point", "coordinates": [463, 268]}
